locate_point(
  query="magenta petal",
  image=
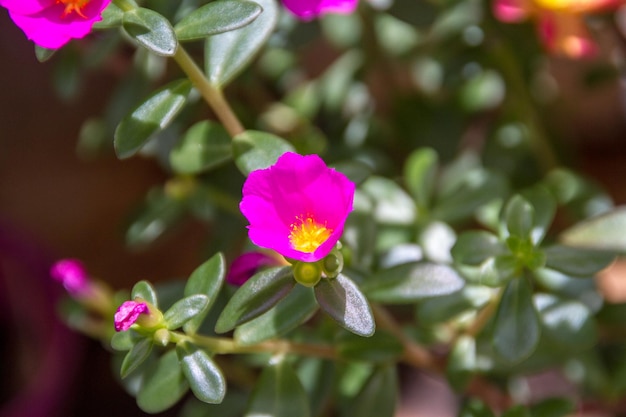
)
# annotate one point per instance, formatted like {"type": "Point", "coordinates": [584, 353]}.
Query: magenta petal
{"type": "Point", "coordinates": [296, 187]}
{"type": "Point", "coordinates": [248, 264]}
{"type": "Point", "coordinates": [26, 6]}
{"type": "Point", "coordinates": [127, 314]}
{"type": "Point", "coordinates": [310, 9]}
{"type": "Point", "coordinates": [510, 11]}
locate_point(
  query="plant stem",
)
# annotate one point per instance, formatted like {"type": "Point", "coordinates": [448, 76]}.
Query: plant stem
{"type": "Point", "coordinates": [414, 354]}
{"type": "Point", "coordinates": [211, 94]}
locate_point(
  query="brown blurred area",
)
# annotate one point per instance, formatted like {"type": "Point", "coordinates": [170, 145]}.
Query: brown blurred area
{"type": "Point", "coordinates": [54, 205]}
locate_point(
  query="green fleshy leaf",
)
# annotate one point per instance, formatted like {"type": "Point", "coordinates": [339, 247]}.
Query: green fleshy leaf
{"type": "Point", "coordinates": [553, 407]}
{"type": "Point", "coordinates": [216, 17]}
{"type": "Point", "coordinates": [229, 53]}
{"type": "Point", "coordinates": [342, 300]}
{"type": "Point", "coordinates": [379, 396]}
{"type": "Point", "coordinates": [255, 297]}
{"type": "Point", "coordinates": [208, 280]}
{"type": "Point", "coordinates": [258, 150]}
{"type": "Point", "coordinates": [381, 347]}
{"type": "Point", "coordinates": [462, 362]}
{"type": "Point", "coordinates": [577, 262]}
{"type": "Point", "coordinates": [475, 247]}
{"type": "Point", "coordinates": [516, 329]}
{"type": "Point", "coordinates": [567, 323]}
{"type": "Point", "coordinates": [123, 341]}
{"type": "Point", "coordinates": [519, 217]}
{"type": "Point", "coordinates": [278, 393]}
{"type": "Point", "coordinates": [43, 54]}
{"type": "Point", "coordinates": [204, 377]}
{"type": "Point", "coordinates": [184, 310]}
{"type": "Point", "coordinates": [136, 356]}
{"type": "Point", "coordinates": [164, 385]}
{"type": "Point", "coordinates": [152, 116]}
{"type": "Point", "coordinates": [419, 175]}
{"type": "Point", "coordinates": [204, 146]}
{"type": "Point", "coordinates": [145, 291]}
{"type": "Point", "coordinates": [604, 232]}
{"type": "Point", "coordinates": [356, 171]}
{"type": "Point", "coordinates": [410, 282]}
{"type": "Point", "coordinates": [296, 308]}
{"type": "Point", "coordinates": [494, 272]}
{"type": "Point", "coordinates": [151, 30]}
{"type": "Point", "coordinates": [544, 206]}
{"type": "Point", "coordinates": [440, 309]}
{"type": "Point", "coordinates": [318, 378]}
{"type": "Point", "coordinates": [111, 18]}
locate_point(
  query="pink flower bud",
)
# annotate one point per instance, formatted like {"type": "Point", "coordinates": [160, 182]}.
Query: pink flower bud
{"type": "Point", "coordinates": [128, 313]}
{"type": "Point", "coordinates": [248, 264]}
{"type": "Point", "coordinates": [73, 275]}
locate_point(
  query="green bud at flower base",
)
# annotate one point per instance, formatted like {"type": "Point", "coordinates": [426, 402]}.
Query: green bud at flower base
{"type": "Point", "coordinates": [161, 337]}
{"type": "Point", "coordinates": [332, 264]}
{"type": "Point", "coordinates": [307, 274]}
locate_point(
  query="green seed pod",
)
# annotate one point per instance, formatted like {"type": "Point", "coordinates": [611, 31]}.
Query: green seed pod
{"type": "Point", "coordinates": [307, 274]}
{"type": "Point", "coordinates": [332, 264]}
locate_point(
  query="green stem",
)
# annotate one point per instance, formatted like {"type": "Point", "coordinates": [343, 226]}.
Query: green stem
{"type": "Point", "coordinates": [211, 94]}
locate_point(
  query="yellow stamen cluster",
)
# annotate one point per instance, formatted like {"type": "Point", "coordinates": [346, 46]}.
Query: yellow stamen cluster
{"type": "Point", "coordinates": [74, 6]}
{"type": "Point", "coordinates": [307, 235]}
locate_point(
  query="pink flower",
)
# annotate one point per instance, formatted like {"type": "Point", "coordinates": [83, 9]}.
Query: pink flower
{"type": "Point", "coordinates": [128, 313]}
{"type": "Point", "coordinates": [310, 9]}
{"type": "Point", "coordinates": [249, 264]}
{"type": "Point", "coordinates": [73, 275]}
{"type": "Point", "coordinates": [560, 23]}
{"type": "Point", "coordinates": [52, 23]}
{"type": "Point", "coordinates": [297, 207]}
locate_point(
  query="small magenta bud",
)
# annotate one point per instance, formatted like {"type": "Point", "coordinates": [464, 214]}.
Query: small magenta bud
{"type": "Point", "coordinates": [138, 312]}
{"type": "Point", "coordinates": [73, 275]}
{"type": "Point", "coordinates": [307, 274]}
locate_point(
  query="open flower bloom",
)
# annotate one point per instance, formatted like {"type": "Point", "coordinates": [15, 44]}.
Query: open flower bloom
{"type": "Point", "coordinates": [560, 22]}
{"type": "Point", "coordinates": [73, 275]}
{"type": "Point", "coordinates": [297, 207]}
{"type": "Point", "coordinates": [248, 264]}
{"type": "Point", "coordinates": [310, 9]}
{"type": "Point", "coordinates": [128, 313]}
{"type": "Point", "coordinates": [52, 23]}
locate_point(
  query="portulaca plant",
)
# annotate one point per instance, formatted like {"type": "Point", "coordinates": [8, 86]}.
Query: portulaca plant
{"type": "Point", "coordinates": [382, 191]}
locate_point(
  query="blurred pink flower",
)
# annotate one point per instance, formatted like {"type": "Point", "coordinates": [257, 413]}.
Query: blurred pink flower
{"type": "Point", "coordinates": [128, 313]}
{"type": "Point", "coordinates": [560, 23]}
{"type": "Point", "coordinates": [248, 264]}
{"type": "Point", "coordinates": [297, 207]}
{"type": "Point", "coordinates": [52, 23]}
{"type": "Point", "coordinates": [73, 275]}
{"type": "Point", "coordinates": [310, 9]}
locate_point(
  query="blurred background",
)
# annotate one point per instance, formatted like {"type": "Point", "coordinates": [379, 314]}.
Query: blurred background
{"type": "Point", "coordinates": [54, 204]}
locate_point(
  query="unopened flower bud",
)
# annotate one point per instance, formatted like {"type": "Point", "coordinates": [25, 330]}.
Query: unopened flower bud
{"type": "Point", "coordinates": [138, 312]}
{"type": "Point", "coordinates": [307, 274]}
{"type": "Point", "coordinates": [332, 264]}
{"type": "Point", "coordinates": [73, 275]}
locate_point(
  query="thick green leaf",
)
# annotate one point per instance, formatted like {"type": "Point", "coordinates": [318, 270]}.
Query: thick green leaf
{"type": "Point", "coordinates": [493, 272]}
{"type": "Point", "coordinates": [258, 150]}
{"type": "Point", "coordinates": [577, 262]}
{"type": "Point", "coordinates": [519, 217]}
{"type": "Point", "coordinates": [410, 282]}
{"type": "Point", "coordinates": [207, 279]}
{"type": "Point", "coordinates": [184, 310]}
{"type": "Point", "coordinates": [204, 377]}
{"type": "Point", "coordinates": [419, 175]}
{"type": "Point", "coordinates": [151, 116]}
{"type": "Point", "coordinates": [164, 385]}
{"type": "Point", "coordinates": [605, 232]}
{"type": "Point", "coordinates": [381, 347]}
{"type": "Point", "coordinates": [204, 146]}
{"type": "Point", "coordinates": [379, 396]}
{"type": "Point", "coordinates": [567, 323]}
{"type": "Point", "coordinates": [44, 54]}
{"type": "Point", "coordinates": [229, 53]}
{"type": "Point", "coordinates": [440, 309]}
{"type": "Point", "coordinates": [136, 356]}
{"type": "Point", "coordinates": [516, 329]}
{"type": "Point", "coordinates": [544, 206]}
{"type": "Point", "coordinates": [216, 17]}
{"type": "Point", "coordinates": [278, 393]}
{"type": "Point", "coordinates": [151, 30]}
{"type": "Point", "coordinates": [255, 297]}
{"type": "Point", "coordinates": [318, 378]}
{"type": "Point", "coordinates": [111, 17]}
{"type": "Point", "coordinates": [474, 247]}
{"type": "Point", "coordinates": [123, 341]}
{"type": "Point", "coordinates": [342, 300]}
{"type": "Point", "coordinates": [296, 308]}
{"type": "Point", "coordinates": [145, 291]}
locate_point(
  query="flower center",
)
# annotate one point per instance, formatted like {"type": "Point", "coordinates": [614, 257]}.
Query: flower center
{"type": "Point", "coordinates": [307, 235]}
{"type": "Point", "coordinates": [75, 6]}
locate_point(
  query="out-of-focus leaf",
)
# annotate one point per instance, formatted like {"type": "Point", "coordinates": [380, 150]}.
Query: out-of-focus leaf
{"type": "Point", "coordinates": [567, 323]}
{"type": "Point", "coordinates": [604, 232]}
{"type": "Point", "coordinates": [381, 347]}
{"type": "Point", "coordinates": [151, 116]}
{"type": "Point", "coordinates": [413, 281]}
{"type": "Point", "coordinates": [475, 247]}
{"type": "Point", "coordinates": [204, 146]}
{"type": "Point", "coordinates": [216, 17]}
{"type": "Point", "coordinates": [204, 377]}
{"type": "Point", "coordinates": [163, 386]}
{"type": "Point", "coordinates": [379, 396]}
{"type": "Point", "coordinates": [420, 169]}
{"type": "Point", "coordinates": [136, 356]}
{"type": "Point", "coordinates": [278, 393]}
{"type": "Point", "coordinates": [342, 300]}
{"type": "Point", "coordinates": [227, 54]}
{"type": "Point", "coordinates": [151, 30]}
{"type": "Point", "coordinates": [577, 262]}
{"type": "Point", "coordinates": [255, 297]}
{"type": "Point", "coordinates": [258, 150]}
